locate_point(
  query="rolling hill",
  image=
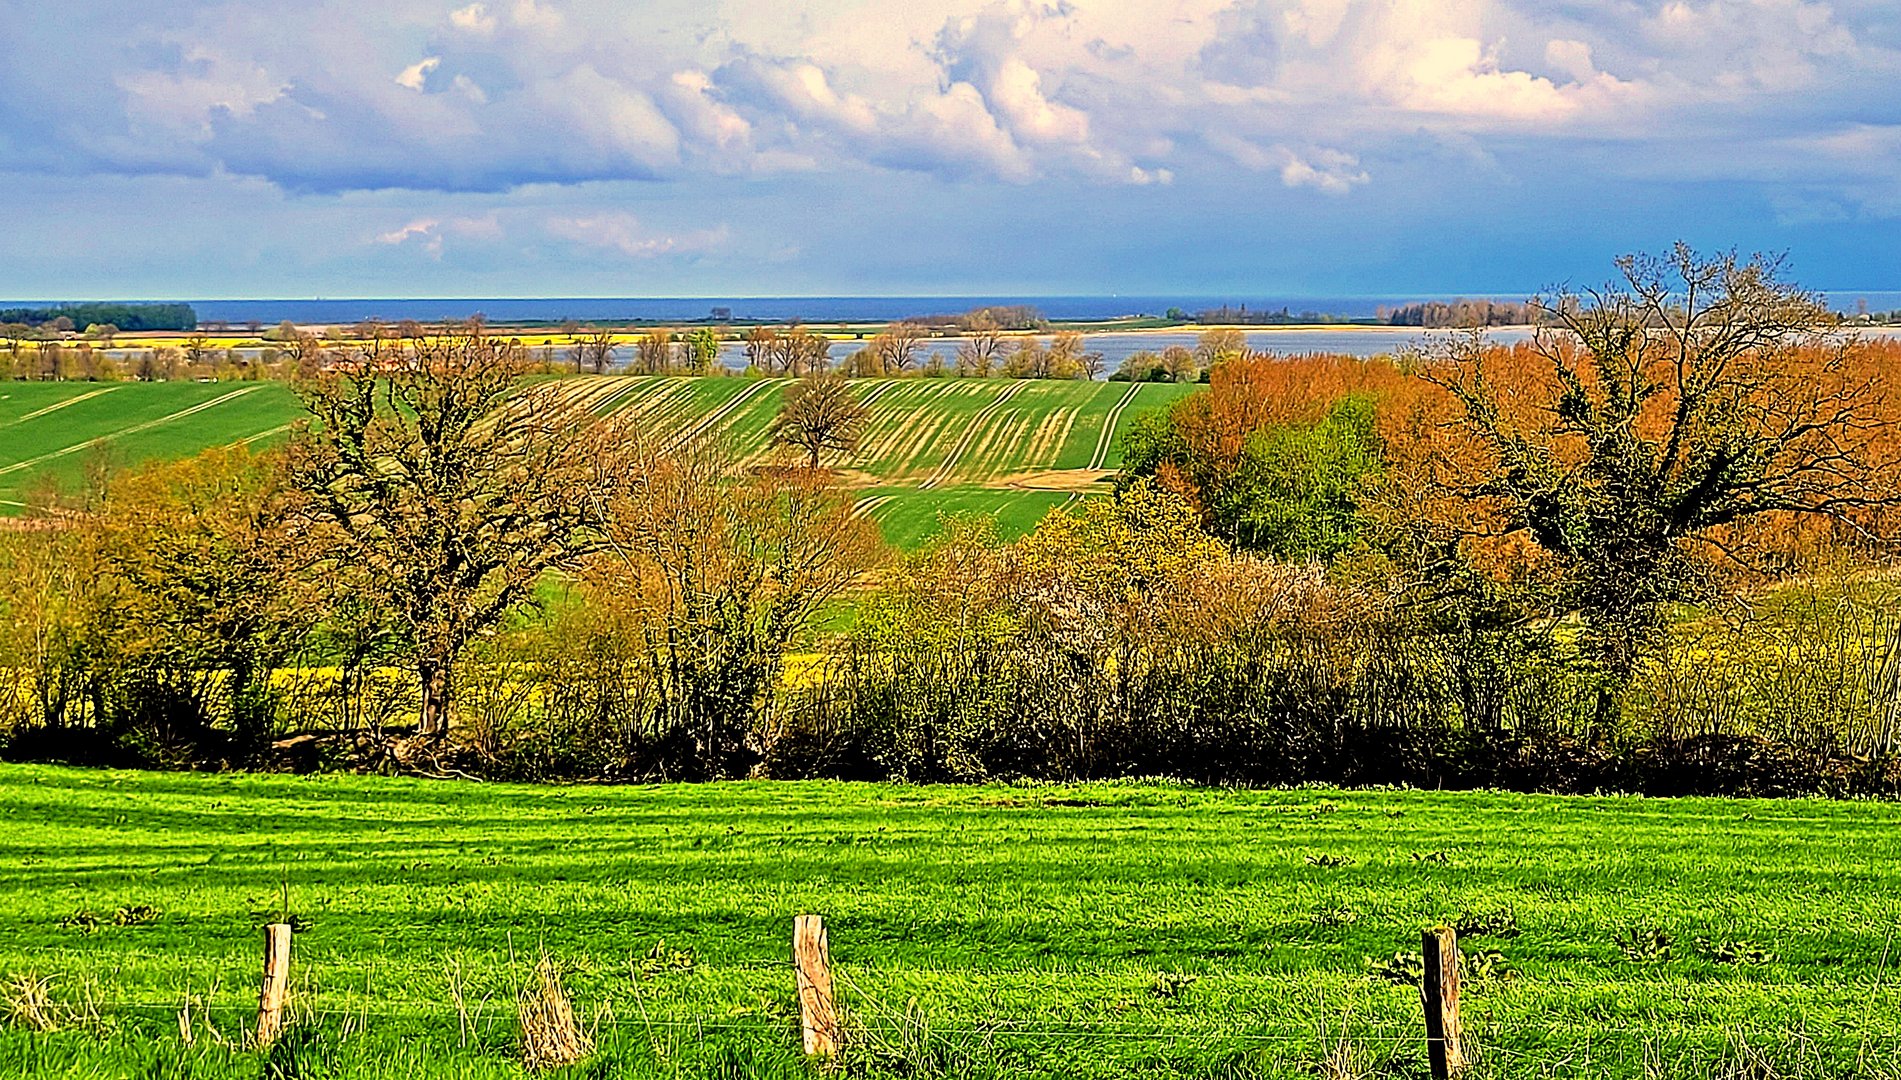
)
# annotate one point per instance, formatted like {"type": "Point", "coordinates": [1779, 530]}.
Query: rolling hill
{"type": "Point", "coordinates": [1014, 448]}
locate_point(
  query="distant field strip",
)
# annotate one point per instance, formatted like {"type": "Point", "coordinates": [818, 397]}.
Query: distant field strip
{"type": "Point", "coordinates": [976, 424]}
{"type": "Point", "coordinates": [711, 422]}
{"type": "Point", "coordinates": [281, 429]}
{"type": "Point", "coordinates": [58, 405]}
{"type": "Point", "coordinates": [21, 466]}
{"type": "Point", "coordinates": [1109, 427]}
{"type": "Point", "coordinates": [876, 392]}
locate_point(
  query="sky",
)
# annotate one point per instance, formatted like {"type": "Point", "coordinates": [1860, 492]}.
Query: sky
{"type": "Point", "coordinates": [201, 149]}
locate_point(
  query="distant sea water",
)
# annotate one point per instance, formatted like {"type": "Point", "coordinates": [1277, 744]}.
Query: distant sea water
{"type": "Point", "coordinates": [822, 309]}
{"type": "Point", "coordinates": [811, 309]}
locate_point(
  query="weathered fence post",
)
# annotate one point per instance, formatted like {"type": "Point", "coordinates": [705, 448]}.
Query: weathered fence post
{"type": "Point", "coordinates": [818, 1012]}
{"type": "Point", "coordinates": [270, 997]}
{"type": "Point", "coordinates": [1439, 990]}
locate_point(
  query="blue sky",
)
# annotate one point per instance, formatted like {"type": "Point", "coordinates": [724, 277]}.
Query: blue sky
{"type": "Point", "coordinates": [759, 147]}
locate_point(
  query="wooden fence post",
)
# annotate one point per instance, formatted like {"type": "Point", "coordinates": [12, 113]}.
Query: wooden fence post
{"type": "Point", "coordinates": [270, 997]}
{"type": "Point", "coordinates": [818, 1012]}
{"type": "Point", "coordinates": [1439, 990]}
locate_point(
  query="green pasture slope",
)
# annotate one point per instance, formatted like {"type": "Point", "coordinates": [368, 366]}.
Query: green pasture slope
{"type": "Point", "coordinates": [932, 446]}
{"type": "Point", "coordinates": [48, 431]}
{"type": "Point", "coordinates": [1110, 930]}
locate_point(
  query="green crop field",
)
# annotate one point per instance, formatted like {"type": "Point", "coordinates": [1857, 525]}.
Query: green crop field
{"type": "Point", "coordinates": [1112, 930]}
{"type": "Point", "coordinates": [1014, 448]}
{"type": "Point", "coordinates": [48, 431]}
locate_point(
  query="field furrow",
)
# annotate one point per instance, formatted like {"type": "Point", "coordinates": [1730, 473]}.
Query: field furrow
{"type": "Point", "coordinates": [927, 445]}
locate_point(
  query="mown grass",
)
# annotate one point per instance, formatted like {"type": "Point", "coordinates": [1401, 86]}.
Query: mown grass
{"type": "Point", "coordinates": [1106, 930]}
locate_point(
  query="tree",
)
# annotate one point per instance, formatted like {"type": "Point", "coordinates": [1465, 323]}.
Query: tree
{"type": "Point", "coordinates": [1029, 360]}
{"type": "Point", "coordinates": [655, 351]}
{"type": "Point", "coordinates": [592, 349]}
{"type": "Point", "coordinates": [982, 344]}
{"type": "Point", "coordinates": [1222, 343]}
{"type": "Point", "coordinates": [760, 341]}
{"type": "Point", "coordinates": [798, 352]}
{"type": "Point", "coordinates": [449, 487]}
{"type": "Point", "coordinates": [1180, 364]}
{"type": "Point", "coordinates": [725, 570]}
{"type": "Point", "coordinates": [819, 416]}
{"type": "Point", "coordinates": [896, 347]}
{"type": "Point", "coordinates": [199, 572]}
{"type": "Point", "coordinates": [702, 350]}
{"type": "Point", "coordinates": [1654, 419]}
{"type": "Point", "coordinates": [1070, 360]}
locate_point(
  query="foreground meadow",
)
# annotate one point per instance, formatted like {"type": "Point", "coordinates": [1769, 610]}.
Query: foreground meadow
{"type": "Point", "coordinates": [1085, 931]}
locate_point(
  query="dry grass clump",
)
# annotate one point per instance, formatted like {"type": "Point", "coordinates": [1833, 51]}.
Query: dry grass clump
{"type": "Point", "coordinates": [27, 1001]}
{"type": "Point", "coordinates": [550, 1038]}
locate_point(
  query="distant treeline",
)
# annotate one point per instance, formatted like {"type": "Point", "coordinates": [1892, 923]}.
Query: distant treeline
{"type": "Point", "coordinates": [1002, 317]}
{"type": "Point", "coordinates": [134, 317]}
{"type": "Point", "coordinates": [1461, 312]}
{"type": "Point", "coordinates": [1241, 316]}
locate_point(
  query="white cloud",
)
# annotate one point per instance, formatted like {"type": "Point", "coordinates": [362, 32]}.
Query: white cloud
{"type": "Point", "coordinates": [474, 19]}
{"type": "Point", "coordinates": [1091, 91]}
{"type": "Point", "coordinates": [1329, 171]}
{"type": "Point", "coordinates": [534, 15]}
{"type": "Point", "coordinates": [419, 227]}
{"type": "Point", "coordinates": [413, 76]}
{"type": "Point", "coordinates": [621, 232]}
{"type": "Point", "coordinates": [1572, 58]}
{"type": "Point", "coordinates": [428, 233]}
{"type": "Point", "coordinates": [207, 83]}
{"type": "Point", "coordinates": [469, 89]}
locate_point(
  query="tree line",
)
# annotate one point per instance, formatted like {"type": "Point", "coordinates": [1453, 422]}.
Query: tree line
{"type": "Point", "coordinates": [137, 317]}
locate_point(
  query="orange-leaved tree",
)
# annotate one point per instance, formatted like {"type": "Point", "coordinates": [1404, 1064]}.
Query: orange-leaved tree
{"type": "Point", "coordinates": [1651, 423]}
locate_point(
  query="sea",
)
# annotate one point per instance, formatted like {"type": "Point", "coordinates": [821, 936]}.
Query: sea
{"type": "Point", "coordinates": [830, 309]}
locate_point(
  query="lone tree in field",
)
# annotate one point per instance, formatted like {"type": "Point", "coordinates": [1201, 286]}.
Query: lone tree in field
{"type": "Point", "coordinates": [450, 487]}
{"type": "Point", "coordinates": [1657, 421]}
{"type": "Point", "coordinates": [819, 416]}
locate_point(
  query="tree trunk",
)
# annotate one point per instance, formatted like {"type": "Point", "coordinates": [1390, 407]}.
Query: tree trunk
{"type": "Point", "coordinates": [435, 698]}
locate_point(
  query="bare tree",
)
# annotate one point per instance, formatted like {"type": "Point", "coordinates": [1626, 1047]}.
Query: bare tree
{"type": "Point", "coordinates": [819, 416]}
{"type": "Point", "coordinates": [760, 341]}
{"type": "Point", "coordinates": [727, 569]}
{"type": "Point", "coordinates": [798, 352]}
{"type": "Point", "coordinates": [654, 350]}
{"type": "Point", "coordinates": [450, 488]}
{"type": "Point", "coordinates": [592, 350]}
{"type": "Point", "coordinates": [1219, 344]}
{"type": "Point", "coordinates": [982, 344]}
{"type": "Point", "coordinates": [896, 347]}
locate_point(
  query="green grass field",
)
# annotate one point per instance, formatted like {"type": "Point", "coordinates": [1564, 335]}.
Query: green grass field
{"type": "Point", "coordinates": [1088, 931]}
{"type": "Point", "coordinates": [48, 431]}
{"type": "Point", "coordinates": [932, 445]}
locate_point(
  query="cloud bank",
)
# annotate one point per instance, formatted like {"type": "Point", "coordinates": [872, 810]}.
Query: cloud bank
{"type": "Point", "coordinates": [1329, 103]}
